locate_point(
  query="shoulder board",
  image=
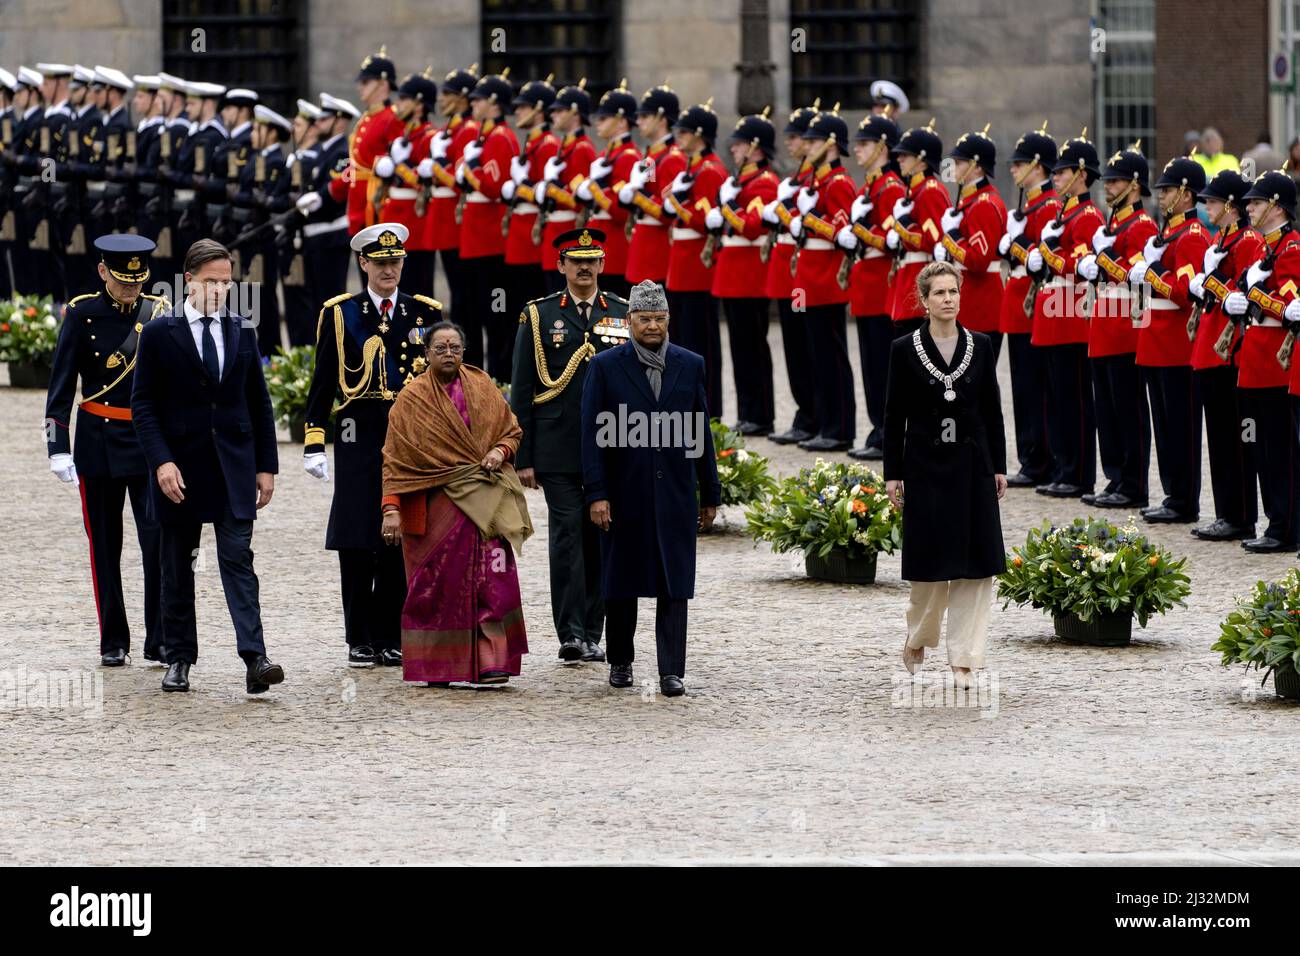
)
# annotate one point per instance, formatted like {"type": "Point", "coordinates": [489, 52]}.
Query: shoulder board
{"type": "Point", "coordinates": [613, 296]}
{"type": "Point", "coordinates": [429, 301]}
{"type": "Point", "coordinates": [1195, 227]}
{"type": "Point", "coordinates": [82, 298]}
{"type": "Point", "coordinates": [336, 300]}
{"type": "Point", "coordinates": [544, 298]}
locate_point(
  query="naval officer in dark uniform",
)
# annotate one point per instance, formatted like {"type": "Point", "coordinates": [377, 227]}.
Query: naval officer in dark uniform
{"type": "Point", "coordinates": [557, 337]}
{"type": "Point", "coordinates": [97, 344]}
{"type": "Point", "coordinates": [368, 346]}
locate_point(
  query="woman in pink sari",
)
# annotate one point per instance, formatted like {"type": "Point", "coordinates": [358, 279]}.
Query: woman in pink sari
{"type": "Point", "coordinates": [452, 500]}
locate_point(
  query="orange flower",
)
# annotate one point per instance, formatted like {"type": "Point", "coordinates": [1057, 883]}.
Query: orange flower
{"type": "Point", "coordinates": [859, 506]}
{"type": "Point", "coordinates": [870, 491]}
{"type": "Point", "coordinates": [726, 453]}
{"type": "Point", "coordinates": [1017, 561]}
{"type": "Point", "coordinates": [31, 312]}
{"type": "Point", "coordinates": [1267, 631]}
{"type": "Point", "coordinates": [1153, 560]}
{"type": "Point", "coordinates": [4, 326]}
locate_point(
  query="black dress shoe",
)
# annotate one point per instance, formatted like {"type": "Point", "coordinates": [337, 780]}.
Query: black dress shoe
{"type": "Point", "coordinates": [1163, 515]}
{"type": "Point", "coordinates": [1267, 545]}
{"type": "Point", "coordinates": [1114, 499]}
{"type": "Point", "coordinates": [753, 429]}
{"type": "Point", "coordinates": [672, 686]}
{"type": "Point", "coordinates": [1090, 498]}
{"type": "Point", "coordinates": [262, 674]}
{"type": "Point", "coordinates": [493, 677]}
{"type": "Point", "coordinates": [1221, 530]}
{"type": "Point", "coordinates": [791, 437]}
{"type": "Point", "coordinates": [113, 658]}
{"type": "Point", "coordinates": [390, 657]}
{"type": "Point", "coordinates": [822, 443]}
{"type": "Point", "coordinates": [591, 652]}
{"type": "Point", "coordinates": [1061, 489]}
{"type": "Point", "coordinates": [1021, 480]}
{"type": "Point", "coordinates": [867, 453]}
{"type": "Point", "coordinates": [620, 675]}
{"type": "Point", "coordinates": [177, 677]}
{"type": "Point", "coordinates": [363, 655]}
{"type": "Point", "coordinates": [571, 650]}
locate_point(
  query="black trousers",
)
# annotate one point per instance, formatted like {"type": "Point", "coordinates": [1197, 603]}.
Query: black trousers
{"type": "Point", "coordinates": [418, 272]}
{"type": "Point", "coordinates": [875, 337]}
{"type": "Point", "coordinates": [573, 550]}
{"type": "Point", "coordinates": [1277, 456]}
{"type": "Point", "coordinates": [451, 268]}
{"type": "Point", "coordinates": [670, 631]}
{"type": "Point", "coordinates": [1232, 460]}
{"type": "Point", "coordinates": [483, 288]}
{"type": "Point", "coordinates": [1123, 424]}
{"type": "Point", "coordinates": [827, 331]}
{"type": "Point", "coordinates": [751, 359]}
{"type": "Point", "coordinates": [908, 326]}
{"type": "Point", "coordinates": [616, 284]}
{"type": "Point", "coordinates": [269, 336]}
{"type": "Point", "coordinates": [522, 283]}
{"type": "Point", "coordinates": [326, 267]}
{"type": "Point", "coordinates": [1176, 425]}
{"type": "Point", "coordinates": [798, 366]}
{"type": "Point", "coordinates": [181, 557]}
{"type": "Point", "coordinates": [995, 340]}
{"type": "Point", "coordinates": [6, 276]}
{"type": "Point", "coordinates": [374, 590]}
{"type": "Point", "coordinates": [300, 309]}
{"type": "Point", "coordinates": [101, 511]}
{"type": "Point", "coordinates": [694, 326]}
{"type": "Point", "coordinates": [1029, 405]}
{"type": "Point", "coordinates": [1071, 415]}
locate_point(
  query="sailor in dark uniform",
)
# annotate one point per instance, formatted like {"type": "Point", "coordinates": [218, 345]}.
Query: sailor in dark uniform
{"type": "Point", "coordinates": [97, 344]}
{"type": "Point", "coordinates": [325, 232]}
{"type": "Point", "coordinates": [388, 327]}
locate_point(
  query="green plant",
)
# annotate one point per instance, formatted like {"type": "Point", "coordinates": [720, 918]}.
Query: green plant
{"type": "Point", "coordinates": [1093, 567]}
{"type": "Point", "coordinates": [288, 379]}
{"type": "Point", "coordinates": [504, 388]}
{"type": "Point", "coordinates": [1264, 629]}
{"type": "Point", "coordinates": [29, 329]}
{"type": "Point", "coordinates": [829, 507]}
{"type": "Point", "coordinates": [742, 473]}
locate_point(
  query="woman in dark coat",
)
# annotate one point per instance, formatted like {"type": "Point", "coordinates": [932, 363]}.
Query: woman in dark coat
{"type": "Point", "coordinates": [945, 466]}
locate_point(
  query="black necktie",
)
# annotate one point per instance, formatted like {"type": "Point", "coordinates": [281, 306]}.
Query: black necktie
{"type": "Point", "coordinates": [583, 309]}
{"type": "Point", "coordinates": [210, 349]}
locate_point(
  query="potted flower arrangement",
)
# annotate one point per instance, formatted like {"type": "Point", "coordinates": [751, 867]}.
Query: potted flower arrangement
{"type": "Point", "coordinates": [837, 514]}
{"type": "Point", "coordinates": [1264, 632]}
{"type": "Point", "coordinates": [742, 473]}
{"type": "Point", "coordinates": [288, 379]}
{"type": "Point", "coordinates": [29, 331]}
{"type": "Point", "coordinates": [1094, 577]}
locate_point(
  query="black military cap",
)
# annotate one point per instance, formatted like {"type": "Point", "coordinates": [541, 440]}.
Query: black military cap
{"type": "Point", "coordinates": [1130, 164]}
{"type": "Point", "coordinates": [1229, 186]}
{"type": "Point", "coordinates": [876, 127]}
{"type": "Point", "coordinates": [573, 97]}
{"type": "Point", "coordinates": [125, 256]}
{"type": "Point", "coordinates": [1182, 171]}
{"type": "Point", "coordinates": [978, 148]}
{"type": "Point", "coordinates": [922, 142]}
{"type": "Point", "coordinates": [757, 130]}
{"type": "Point", "coordinates": [618, 102]}
{"type": "Point", "coordinates": [1079, 153]}
{"type": "Point", "coordinates": [828, 125]}
{"type": "Point", "coordinates": [1275, 187]}
{"type": "Point", "coordinates": [538, 94]}
{"type": "Point", "coordinates": [419, 86]}
{"type": "Point", "coordinates": [699, 119]}
{"type": "Point", "coordinates": [584, 243]}
{"type": "Point", "coordinates": [1035, 147]}
{"type": "Point", "coordinates": [377, 66]}
{"type": "Point", "coordinates": [461, 82]}
{"type": "Point", "coordinates": [660, 101]}
{"type": "Point", "coordinates": [798, 121]}
{"type": "Point", "coordinates": [495, 88]}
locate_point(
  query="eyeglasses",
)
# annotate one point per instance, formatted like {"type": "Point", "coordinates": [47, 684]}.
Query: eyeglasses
{"type": "Point", "coordinates": [447, 349]}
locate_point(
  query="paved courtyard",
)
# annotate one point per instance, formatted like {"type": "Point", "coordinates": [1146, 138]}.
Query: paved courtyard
{"type": "Point", "coordinates": [800, 737]}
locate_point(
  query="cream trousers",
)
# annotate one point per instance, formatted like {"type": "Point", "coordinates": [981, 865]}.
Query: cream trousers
{"type": "Point", "coordinates": [967, 602]}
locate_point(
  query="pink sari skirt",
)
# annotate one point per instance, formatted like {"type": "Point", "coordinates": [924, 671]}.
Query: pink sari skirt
{"type": "Point", "coordinates": [463, 614]}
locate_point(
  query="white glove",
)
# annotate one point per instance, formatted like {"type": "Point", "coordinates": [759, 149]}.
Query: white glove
{"type": "Point", "coordinates": [425, 169]}
{"type": "Point", "coordinates": [1035, 261]}
{"type": "Point", "coordinates": [1101, 240]}
{"type": "Point", "coordinates": [626, 194]}
{"type": "Point", "coordinates": [713, 220]}
{"type": "Point", "coordinates": [1051, 230]}
{"type": "Point", "coordinates": [316, 465]}
{"type": "Point", "coordinates": [846, 240]}
{"type": "Point", "coordinates": [1016, 225]}
{"type": "Point", "coordinates": [806, 200]}
{"type": "Point", "coordinates": [1137, 275]}
{"type": "Point", "coordinates": [785, 189]}
{"type": "Point", "coordinates": [769, 213]}
{"type": "Point", "coordinates": [1235, 303]}
{"type": "Point", "coordinates": [600, 168]}
{"type": "Point", "coordinates": [508, 190]}
{"type": "Point", "coordinates": [1212, 259]}
{"type": "Point", "coordinates": [554, 166]}
{"type": "Point", "coordinates": [439, 145]}
{"type": "Point", "coordinates": [1088, 268]}
{"type": "Point", "coordinates": [400, 151]}
{"type": "Point", "coordinates": [861, 206]}
{"type": "Point", "coordinates": [539, 191]}
{"type": "Point", "coordinates": [63, 468]}
{"type": "Point", "coordinates": [1292, 311]}
{"type": "Point", "coordinates": [951, 219]}
{"type": "Point", "coordinates": [308, 203]}
{"type": "Point", "coordinates": [460, 173]}
{"type": "Point", "coordinates": [1196, 286]}
{"type": "Point", "coordinates": [473, 149]}
{"type": "Point", "coordinates": [1152, 252]}
{"type": "Point", "coordinates": [728, 190]}
{"type": "Point", "coordinates": [940, 253]}
{"type": "Point", "coordinates": [584, 190]}
{"type": "Point", "coordinates": [902, 208]}
{"type": "Point", "coordinates": [796, 226]}
{"type": "Point", "coordinates": [892, 239]}
{"type": "Point", "coordinates": [384, 167]}
{"type": "Point", "coordinates": [680, 184]}
{"type": "Point", "coordinates": [1004, 244]}
{"type": "Point", "coordinates": [518, 169]}
{"type": "Point", "coordinates": [1256, 274]}
{"type": "Point", "coordinates": [639, 176]}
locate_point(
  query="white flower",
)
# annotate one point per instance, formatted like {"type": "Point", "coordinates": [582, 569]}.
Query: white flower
{"type": "Point", "coordinates": [51, 321]}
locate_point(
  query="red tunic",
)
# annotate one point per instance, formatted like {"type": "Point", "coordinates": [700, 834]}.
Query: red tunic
{"type": "Point", "coordinates": [975, 248]}
{"type": "Point", "coordinates": [577, 151]}
{"type": "Point", "coordinates": [686, 273]}
{"type": "Point", "coordinates": [1111, 330]}
{"type": "Point", "coordinates": [404, 189]}
{"type": "Point", "coordinates": [481, 235]}
{"type": "Point", "coordinates": [1244, 246]}
{"type": "Point", "coordinates": [442, 207]}
{"type": "Point", "coordinates": [647, 253]}
{"type": "Point", "coordinates": [1058, 318]}
{"type": "Point", "coordinates": [870, 292]}
{"type": "Point", "coordinates": [369, 139]}
{"type": "Point", "coordinates": [919, 236]}
{"type": "Point", "coordinates": [737, 264]}
{"type": "Point", "coordinates": [540, 146]}
{"type": "Point", "coordinates": [609, 216]}
{"type": "Point", "coordinates": [1040, 207]}
{"type": "Point", "coordinates": [1257, 360]}
{"type": "Point", "coordinates": [819, 257]}
{"type": "Point", "coordinates": [780, 282]}
{"type": "Point", "coordinates": [1163, 340]}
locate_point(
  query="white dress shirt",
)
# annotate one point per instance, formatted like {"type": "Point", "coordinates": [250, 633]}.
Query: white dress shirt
{"type": "Point", "coordinates": [195, 319]}
{"type": "Point", "coordinates": [378, 300]}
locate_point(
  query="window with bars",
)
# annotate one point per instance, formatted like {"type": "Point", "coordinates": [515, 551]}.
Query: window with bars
{"type": "Point", "coordinates": [1126, 77]}
{"type": "Point", "coordinates": [571, 39]}
{"type": "Point", "coordinates": [244, 43]}
{"type": "Point", "coordinates": [849, 43]}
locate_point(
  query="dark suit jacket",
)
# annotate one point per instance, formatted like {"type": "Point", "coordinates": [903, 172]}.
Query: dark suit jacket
{"type": "Point", "coordinates": [219, 434]}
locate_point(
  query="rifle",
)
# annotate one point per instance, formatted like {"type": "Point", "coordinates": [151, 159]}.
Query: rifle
{"type": "Point", "coordinates": [1037, 284]}
{"type": "Point", "coordinates": [163, 177]}
{"type": "Point", "coordinates": [8, 221]}
{"type": "Point", "coordinates": [274, 222]}
{"type": "Point", "coordinates": [1226, 347]}
{"type": "Point", "coordinates": [1203, 302]}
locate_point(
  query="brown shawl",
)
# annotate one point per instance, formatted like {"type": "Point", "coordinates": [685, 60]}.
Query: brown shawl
{"type": "Point", "coordinates": [429, 446]}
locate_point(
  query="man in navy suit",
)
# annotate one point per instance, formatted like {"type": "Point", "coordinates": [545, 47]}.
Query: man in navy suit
{"type": "Point", "coordinates": [646, 453]}
{"type": "Point", "coordinates": [204, 420]}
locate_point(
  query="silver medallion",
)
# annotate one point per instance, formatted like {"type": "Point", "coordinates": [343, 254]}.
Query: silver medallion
{"type": "Point", "coordinates": [949, 395]}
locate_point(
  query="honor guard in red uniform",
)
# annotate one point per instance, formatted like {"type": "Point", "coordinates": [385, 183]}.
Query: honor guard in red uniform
{"type": "Point", "coordinates": [1265, 301]}
{"type": "Point", "coordinates": [777, 248]}
{"type": "Point", "coordinates": [915, 221]}
{"type": "Point", "coordinates": [444, 198]}
{"type": "Point", "coordinates": [1119, 397]}
{"type": "Point", "coordinates": [870, 292]}
{"type": "Point", "coordinates": [1215, 339]}
{"type": "Point", "coordinates": [563, 173]}
{"type": "Point", "coordinates": [523, 270]}
{"type": "Point", "coordinates": [1060, 329]}
{"type": "Point", "coordinates": [369, 140]}
{"type": "Point", "coordinates": [608, 174]}
{"type": "Point", "coordinates": [822, 210]}
{"type": "Point", "coordinates": [689, 197]}
{"type": "Point", "coordinates": [404, 174]}
{"type": "Point", "coordinates": [735, 226]}
{"type": "Point", "coordinates": [483, 169]}
{"type": "Point", "coordinates": [647, 251]}
{"type": "Point", "coordinates": [1031, 171]}
{"type": "Point", "coordinates": [1170, 261]}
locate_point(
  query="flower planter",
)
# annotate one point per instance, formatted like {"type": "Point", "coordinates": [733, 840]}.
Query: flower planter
{"type": "Point", "coordinates": [1286, 682]}
{"type": "Point", "coordinates": [29, 375]}
{"type": "Point", "coordinates": [842, 569]}
{"type": "Point", "coordinates": [1110, 630]}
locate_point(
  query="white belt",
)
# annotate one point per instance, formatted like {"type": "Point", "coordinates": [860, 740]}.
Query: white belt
{"type": "Point", "coordinates": [525, 207]}
{"type": "Point", "coordinates": [994, 267]}
{"type": "Point", "coordinates": [601, 216]}
{"type": "Point", "coordinates": [1056, 282]}
{"type": "Point", "coordinates": [818, 244]}
{"type": "Point", "coordinates": [873, 254]}
{"type": "Point", "coordinates": [1113, 290]}
{"type": "Point", "coordinates": [785, 239]}
{"type": "Point", "coordinates": [910, 257]}
{"type": "Point", "coordinates": [316, 228]}
{"type": "Point", "coordinates": [96, 188]}
{"type": "Point", "coordinates": [183, 195]}
{"type": "Point", "coordinates": [737, 241]}
{"type": "Point", "coordinates": [1017, 272]}
{"type": "Point", "coordinates": [443, 192]}
{"type": "Point", "coordinates": [1268, 322]}
{"type": "Point", "coordinates": [478, 197]}
{"type": "Point", "coordinates": [402, 192]}
{"type": "Point", "coordinates": [649, 222]}
{"type": "Point", "coordinates": [563, 215]}
{"type": "Point", "coordinates": [1161, 305]}
{"type": "Point", "coordinates": [681, 232]}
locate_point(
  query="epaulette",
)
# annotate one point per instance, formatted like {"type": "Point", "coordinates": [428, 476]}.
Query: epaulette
{"type": "Point", "coordinates": [80, 298]}
{"type": "Point", "coordinates": [615, 296]}
{"type": "Point", "coordinates": [429, 301]}
{"type": "Point", "coordinates": [1195, 227]}
{"type": "Point", "coordinates": [342, 297]}
{"type": "Point", "coordinates": [544, 297]}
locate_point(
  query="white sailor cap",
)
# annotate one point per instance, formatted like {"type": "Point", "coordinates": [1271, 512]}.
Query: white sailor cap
{"type": "Point", "coordinates": [240, 97]}
{"type": "Point", "coordinates": [205, 90]}
{"type": "Point", "coordinates": [168, 82]}
{"type": "Point", "coordinates": [332, 104]}
{"type": "Point", "coordinates": [83, 75]}
{"type": "Point", "coordinates": [54, 69]}
{"type": "Point", "coordinates": [383, 240]}
{"type": "Point", "coordinates": [147, 81]}
{"type": "Point", "coordinates": [29, 77]}
{"type": "Point", "coordinates": [885, 90]}
{"type": "Point", "coordinates": [111, 77]}
{"type": "Point", "coordinates": [308, 109]}
{"type": "Point", "coordinates": [264, 114]}
{"type": "Point", "coordinates": [8, 80]}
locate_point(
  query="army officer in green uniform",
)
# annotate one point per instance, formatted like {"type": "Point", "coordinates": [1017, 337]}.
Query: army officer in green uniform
{"type": "Point", "coordinates": [557, 337]}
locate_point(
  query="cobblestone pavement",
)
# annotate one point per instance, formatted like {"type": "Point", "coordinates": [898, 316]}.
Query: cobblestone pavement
{"type": "Point", "coordinates": [798, 740]}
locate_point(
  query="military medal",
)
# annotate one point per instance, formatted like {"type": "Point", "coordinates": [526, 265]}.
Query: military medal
{"type": "Point", "coordinates": [949, 395]}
